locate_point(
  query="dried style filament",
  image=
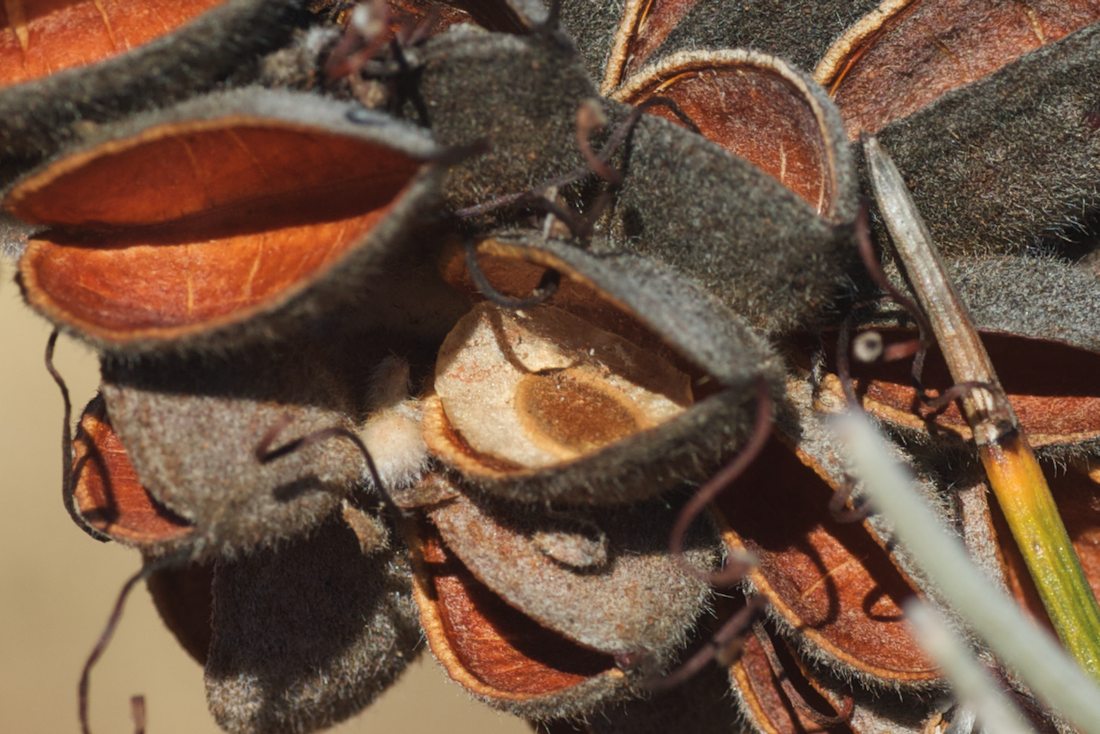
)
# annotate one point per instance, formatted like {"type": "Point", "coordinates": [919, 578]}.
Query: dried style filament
{"type": "Point", "coordinates": [779, 670]}
{"type": "Point", "coordinates": [709, 491]}
{"type": "Point", "coordinates": [108, 632]}
{"type": "Point", "coordinates": [546, 288]}
{"type": "Point", "coordinates": [838, 505]}
{"type": "Point", "coordinates": [68, 475]}
{"type": "Point", "coordinates": [723, 647]}
{"type": "Point", "coordinates": [265, 453]}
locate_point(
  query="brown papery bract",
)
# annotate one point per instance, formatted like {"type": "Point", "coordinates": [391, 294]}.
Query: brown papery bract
{"type": "Point", "coordinates": [908, 53]}
{"type": "Point", "coordinates": [42, 37]}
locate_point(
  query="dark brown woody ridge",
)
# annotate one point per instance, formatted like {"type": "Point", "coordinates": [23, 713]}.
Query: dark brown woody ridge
{"type": "Point", "coordinates": [908, 53]}
{"type": "Point", "coordinates": [41, 37]}
{"type": "Point", "coordinates": [754, 107]}
{"type": "Point", "coordinates": [195, 224]}
{"type": "Point", "coordinates": [1053, 387]}
{"type": "Point", "coordinates": [486, 645]}
{"type": "Point", "coordinates": [107, 493]}
{"type": "Point", "coordinates": [828, 580]}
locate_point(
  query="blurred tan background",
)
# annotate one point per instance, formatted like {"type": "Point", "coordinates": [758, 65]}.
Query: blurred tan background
{"type": "Point", "coordinates": [57, 586]}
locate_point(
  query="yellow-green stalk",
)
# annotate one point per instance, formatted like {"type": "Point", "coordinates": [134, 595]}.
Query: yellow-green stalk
{"type": "Point", "coordinates": [1013, 471]}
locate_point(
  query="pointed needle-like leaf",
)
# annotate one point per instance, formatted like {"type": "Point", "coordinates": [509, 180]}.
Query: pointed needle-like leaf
{"type": "Point", "coordinates": [1025, 647]}
{"type": "Point", "coordinates": [1013, 471]}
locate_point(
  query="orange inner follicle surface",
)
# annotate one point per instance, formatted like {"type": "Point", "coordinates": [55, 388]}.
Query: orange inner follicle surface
{"type": "Point", "coordinates": [40, 37]}
{"type": "Point", "coordinates": [828, 578]}
{"type": "Point", "coordinates": [197, 225]}
{"type": "Point", "coordinates": [756, 114]}
{"type": "Point", "coordinates": [107, 492]}
{"type": "Point", "coordinates": [506, 653]}
{"type": "Point", "coordinates": [776, 689]}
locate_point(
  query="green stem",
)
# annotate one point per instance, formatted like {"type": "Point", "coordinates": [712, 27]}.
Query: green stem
{"type": "Point", "coordinates": [1014, 474]}
{"type": "Point", "coordinates": [1026, 501]}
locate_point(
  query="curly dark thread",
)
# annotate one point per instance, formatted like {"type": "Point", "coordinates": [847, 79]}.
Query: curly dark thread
{"type": "Point", "coordinates": [68, 483]}
{"type": "Point", "coordinates": [838, 505]}
{"type": "Point", "coordinates": [779, 671]}
{"type": "Point", "coordinates": [546, 288]}
{"type": "Point", "coordinates": [709, 491]}
{"type": "Point", "coordinates": [109, 631]}
{"type": "Point", "coordinates": [723, 647]}
{"type": "Point", "coordinates": [595, 163]}
{"type": "Point", "coordinates": [265, 453]}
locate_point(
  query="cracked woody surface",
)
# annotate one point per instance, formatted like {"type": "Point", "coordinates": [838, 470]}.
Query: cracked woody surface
{"type": "Point", "coordinates": [324, 221]}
